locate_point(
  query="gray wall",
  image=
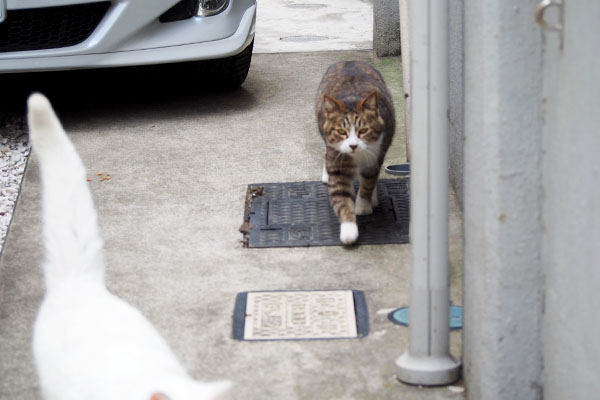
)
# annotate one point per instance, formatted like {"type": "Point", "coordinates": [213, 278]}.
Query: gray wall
{"type": "Point", "coordinates": [532, 202]}
{"type": "Point", "coordinates": [524, 147]}
{"type": "Point", "coordinates": [386, 28]}
{"type": "Point", "coordinates": [571, 248]}
{"type": "Point", "coordinates": [406, 77]}
{"type": "Point", "coordinates": [456, 96]}
{"type": "Point", "coordinates": [502, 197]}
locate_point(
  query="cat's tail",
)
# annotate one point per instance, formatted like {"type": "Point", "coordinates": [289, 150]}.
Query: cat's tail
{"type": "Point", "coordinates": [70, 229]}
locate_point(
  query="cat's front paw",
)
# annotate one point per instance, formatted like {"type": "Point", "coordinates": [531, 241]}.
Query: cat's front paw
{"type": "Point", "coordinates": [363, 206]}
{"type": "Point", "coordinates": [348, 232]}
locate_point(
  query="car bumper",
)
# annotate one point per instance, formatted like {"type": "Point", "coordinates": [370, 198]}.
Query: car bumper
{"type": "Point", "coordinates": [130, 34]}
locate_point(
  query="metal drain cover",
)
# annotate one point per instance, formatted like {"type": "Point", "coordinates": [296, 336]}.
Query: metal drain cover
{"type": "Point", "coordinates": [295, 214]}
{"type": "Point", "coordinates": [307, 6]}
{"type": "Point", "coordinates": [303, 38]}
{"type": "Point", "coordinates": [300, 315]}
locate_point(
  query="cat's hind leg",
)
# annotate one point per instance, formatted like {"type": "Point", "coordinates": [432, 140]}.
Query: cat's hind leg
{"type": "Point", "coordinates": [325, 175]}
{"type": "Point", "coordinates": [374, 198]}
{"type": "Point", "coordinates": [363, 206]}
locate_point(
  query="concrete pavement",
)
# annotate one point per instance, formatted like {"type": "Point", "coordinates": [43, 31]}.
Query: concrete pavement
{"type": "Point", "coordinates": [313, 25]}
{"type": "Point", "coordinates": [180, 163]}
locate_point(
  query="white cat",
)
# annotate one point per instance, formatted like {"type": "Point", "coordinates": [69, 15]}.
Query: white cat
{"type": "Point", "coordinates": [89, 344]}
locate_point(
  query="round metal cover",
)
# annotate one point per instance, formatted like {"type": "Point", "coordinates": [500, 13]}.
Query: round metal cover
{"type": "Point", "coordinates": [400, 317]}
{"type": "Point", "coordinates": [398, 169]}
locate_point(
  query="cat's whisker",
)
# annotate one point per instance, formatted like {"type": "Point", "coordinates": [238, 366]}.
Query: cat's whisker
{"type": "Point", "coordinates": [339, 156]}
{"type": "Point", "coordinates": [369, 157]}
{"type": "Point", "coordinates": [368, 153]}
{"type": "Point", "coordinates": [373, 155]}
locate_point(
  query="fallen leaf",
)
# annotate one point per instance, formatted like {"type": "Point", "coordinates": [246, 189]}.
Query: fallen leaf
{"type": "Point", "coordinates": [256, 191]}
{"type": "Point", "coordinates": [245, 228]}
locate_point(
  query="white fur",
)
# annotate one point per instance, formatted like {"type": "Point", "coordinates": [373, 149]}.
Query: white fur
{"type": "Point", "coordinates": [325, 175]}
{"type": "Point", "coordinates": [348, 232]}
{"type": "Point", "coordinates": [365, 154]}
{"type": "Point", "coordinates": [346, 145]}
{"type": "Point", "coordinates": [89, 344]}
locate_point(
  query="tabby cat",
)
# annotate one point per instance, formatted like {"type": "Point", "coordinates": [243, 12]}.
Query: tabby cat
{"type": "Point", "coordinates": [356, 119]}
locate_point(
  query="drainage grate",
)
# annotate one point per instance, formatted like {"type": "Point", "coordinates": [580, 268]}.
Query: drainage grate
{"type": "Point", "coordinates": [300, 315]}
{"type": "Point", "coordinates": [303, 38]}
{"type": "Point", "coordinates": [298, 214]}
{"type": "Point", "coordinates": [307, 6]}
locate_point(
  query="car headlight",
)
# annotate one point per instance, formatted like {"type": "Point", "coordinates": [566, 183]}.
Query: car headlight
{"type": "Point", "coordinates": [211, 7]}
{"type": "Point", "coordinates": [186, 9]}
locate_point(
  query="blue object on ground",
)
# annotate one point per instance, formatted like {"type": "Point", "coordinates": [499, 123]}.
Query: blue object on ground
{"type": "Point", "coordinates": [400, 316]}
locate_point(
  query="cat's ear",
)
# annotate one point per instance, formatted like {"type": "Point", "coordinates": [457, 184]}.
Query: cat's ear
{"type": "Point", "coordinates": [159, 396]}
{"type": "Point", "coordinates": [332, 105]}
{"type": "Point", "coordinates": [213, 390]}
{"type": "Point", "coordinates": [369, 103]}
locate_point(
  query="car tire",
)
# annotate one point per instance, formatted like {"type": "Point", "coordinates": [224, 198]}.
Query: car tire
{"type": "Point", "coordinates": [229, 73]}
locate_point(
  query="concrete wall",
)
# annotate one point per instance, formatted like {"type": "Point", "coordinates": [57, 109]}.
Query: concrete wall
{"type": "Point", "coordinates": [495, 149]}
{"type": "Point", "coordinates": [456, 96]}
{"type": "Point", "coordinates": [571, 206]}
{"type": "Point", "coordinates": [406, 76]}
{"type": "Point", "coordinates": [386, 28]}
{"type": "Point", "coordinates": [532, 202]}
{"type": "Point", "coordinates": [502, 200]}
{"type": "Point", "coordinates": [527, 103]}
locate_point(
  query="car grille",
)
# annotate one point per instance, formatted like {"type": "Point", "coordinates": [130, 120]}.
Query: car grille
{"type": "Point", "coordinates": [51, 27]}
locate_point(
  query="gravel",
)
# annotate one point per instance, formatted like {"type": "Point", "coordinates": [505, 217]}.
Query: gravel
{"type": "Point", "coordinates": [14, 152]}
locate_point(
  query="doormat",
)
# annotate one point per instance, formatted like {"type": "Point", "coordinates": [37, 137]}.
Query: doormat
{"type": "Point", "coordinates": [297, 214]}
{"type": "Point", "coordinates": [300, 315]}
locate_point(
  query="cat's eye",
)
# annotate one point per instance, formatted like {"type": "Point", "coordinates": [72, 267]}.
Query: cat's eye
{"type": "Point", "coordinates": [362, 131]}
{"type": "Point", "coordinates": [341, 131]}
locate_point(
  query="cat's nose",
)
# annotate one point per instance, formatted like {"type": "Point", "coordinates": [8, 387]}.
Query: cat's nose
{"type": "Point", "coordinates": [353, 146]}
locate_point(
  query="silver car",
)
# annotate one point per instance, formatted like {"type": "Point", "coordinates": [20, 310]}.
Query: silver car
{"type": "Point", "coordinates": [46, 35]}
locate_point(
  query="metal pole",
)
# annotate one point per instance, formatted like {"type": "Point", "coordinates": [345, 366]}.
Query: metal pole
{"type": "Point", "coordinates": [427, 360]}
